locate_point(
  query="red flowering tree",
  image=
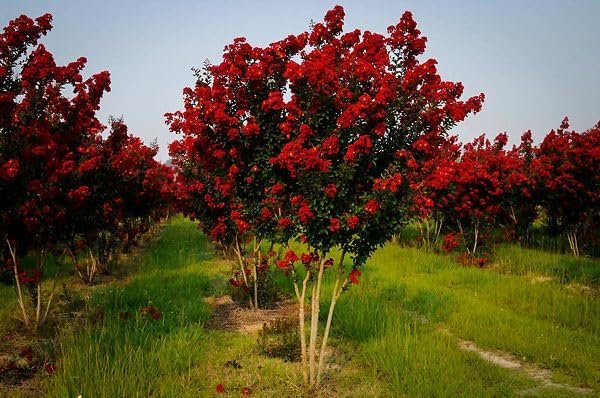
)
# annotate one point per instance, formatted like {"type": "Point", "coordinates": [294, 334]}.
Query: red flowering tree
{"type": "Point", "coordinates": [330, 122]}
{"type": "Point", "coordinates": [476, 191]}
{"type": "Point", "coordinates": [567, 176]}
{"type": "Point", "coordinates": [519, 202]}
{"type": "Point", "coordinates": [431, 167]}
{"type": "Point", "coordinates": [41, 132]}
{"type": "Point", "coordinates": [61, 184]}
{"type": "Point", "coordinates": [128, 191]}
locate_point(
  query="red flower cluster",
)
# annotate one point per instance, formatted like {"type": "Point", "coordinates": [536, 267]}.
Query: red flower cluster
{"type": "Point", "coordinates": [151, 311]}
{"type": "Point", "coordinates": [450, 242]}
{"type": "Point", "coordinates": [334, 224]}
{"type": "Point", "coordinates": [372, 206]}
{"type": "Point", "coordinates": [353, 276]}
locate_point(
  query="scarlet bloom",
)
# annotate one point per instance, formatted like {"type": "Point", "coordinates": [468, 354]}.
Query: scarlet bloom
{"type": "Point", "coordinates": [283, 264]}
{"type": "Point", "coordinates": [284, 222]}
{"type": "Point", "coordinates": [330, 190]}
{"type": "Point", "coordinates": [10, 169]}
{"type": "Point", "coordinates": [353, 276]}
{"type": "Point", "coordinates": [296, 200]}
{"type": "Point", "coordinates": [235, 282]}
{"type": "Point", "coordinates": [274, 102]}
{"type": "Point", "coordinates": [305, 214]}
{"type": "Point", "coordinates": [352, 221]}
{"type": "Point", "coordinates": [266, 213]}
{"type": "Point", "coordinates": [277, 189]}
{"type": "Point", "coordinates": [32, 278]}
{"type": "Point", "coordinates": [450, 242]}
{"type": "Point", "coordinates": [156, 315]}
{"type": "Point", "coordinates": [291, 256]}
{"type": "Point", "coordinates": [220, 388]}
{"type": "Point", "coordinates": [242, 226]}
{"type": "Point", "coordinates": [151, 311]}
{"type": "Point", "coordinates": [334, 224]}
{"type": "Point", "coordinates": [50, 368]}
{"type": "Point", "coordinates": [80, 194]}
{"type": "Point", "coordinates": [233, 170]}
{"type": "Point", "coordinates": [372, 206]}
{"type": "Point", "coordinates": [308, 258]}
{"type": "Point", "coordinates": [330, 146]}
{"type": "Point", "coordinates": [362, 145]}
{"type": "Point", "coordinates": [90, 165]}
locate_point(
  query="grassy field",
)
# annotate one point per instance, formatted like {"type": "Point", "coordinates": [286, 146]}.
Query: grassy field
{"type": "Point", "coordinates": [398, 333]}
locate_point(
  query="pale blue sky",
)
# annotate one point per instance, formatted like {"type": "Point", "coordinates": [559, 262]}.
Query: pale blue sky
{"type": "Point", "coordinates": [536, 61]}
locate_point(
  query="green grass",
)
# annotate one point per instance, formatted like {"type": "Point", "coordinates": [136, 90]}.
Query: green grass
{"type": "Point", "coordinates": [175, 356]}
{"type": "Point", "coordinates": [7, 309]}
{"type": "Point", "coordinates": [513, 259]}
{"type": "Point", "coordinates": [408, 296]}
{"type": "Point", "coordinates": [395, 334]}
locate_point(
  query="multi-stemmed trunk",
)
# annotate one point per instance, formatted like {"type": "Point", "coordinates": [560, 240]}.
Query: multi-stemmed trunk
{"type": "Point", "coordinates": [238, 252]}
{"type": "Point", "coordinates": [430, 229]}
{"type": "Point", "coordinates": [91, 269]}
{"type": "Point", "coordinates": [573, 244]}
{"type": "Point", "coordinates": [312, 369]}
{"type": "Point", "coordinates": [39, 317]}
{"type": "Point", "coordinates": [257, 257]}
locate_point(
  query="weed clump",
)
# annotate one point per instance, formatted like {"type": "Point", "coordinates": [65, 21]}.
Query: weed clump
{"type": "Point", "coordinates": [280, 339]}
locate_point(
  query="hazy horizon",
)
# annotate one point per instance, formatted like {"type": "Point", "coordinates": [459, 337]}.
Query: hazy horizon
{"type": "Point", "coordinates": [536, 61]}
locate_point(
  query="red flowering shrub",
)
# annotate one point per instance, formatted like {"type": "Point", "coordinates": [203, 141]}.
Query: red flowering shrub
{"type": "Point", "coordinates": [315, 128]}
{"type": "Point", "coordinates": [470, 260]}
{"type": "Point", "coordinates": [450, 242]}
{"type": "Point", "coordinates": [130, 190]}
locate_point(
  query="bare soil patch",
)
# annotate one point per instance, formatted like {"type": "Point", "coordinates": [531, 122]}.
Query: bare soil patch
{"type": "Point", "coordinates": [230, 316]}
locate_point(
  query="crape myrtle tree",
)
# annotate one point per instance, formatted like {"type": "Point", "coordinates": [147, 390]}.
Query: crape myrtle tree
{"type": "Point", "coordinates": [476, 191]}
{"type": "Point", "coordinates": [519, 204]}
{"type": "Point", "coordinates": [41, 132]}
{"type": "Point", "coordinates": [367, 101]}
{"type": "Point", "coordinates": [56, 195]}
{"type": "Point", "coordinates": [128, 191]}
{"type": "Point", "coordinates": [566, 171]}
{"type": "Point", "coordinates": [430, 168]}
{"type": "Point", "coordinates": [330, 123]}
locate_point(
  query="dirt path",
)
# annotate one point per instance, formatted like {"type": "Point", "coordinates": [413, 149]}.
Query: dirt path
{"type": "Point", "coordinates": [509, 361]}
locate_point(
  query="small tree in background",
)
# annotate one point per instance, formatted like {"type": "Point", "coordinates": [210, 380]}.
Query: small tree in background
{"type": "Point", "coordinates": [430, 169]}
{"type": "Point", "coordinates": [567, 177]}
{"type": "Point", "coordinates": [472, 192]}
{"type": "Point", "coordinates": [128, 191]}
{"type": "Point", "coordinates": [519, 205]}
